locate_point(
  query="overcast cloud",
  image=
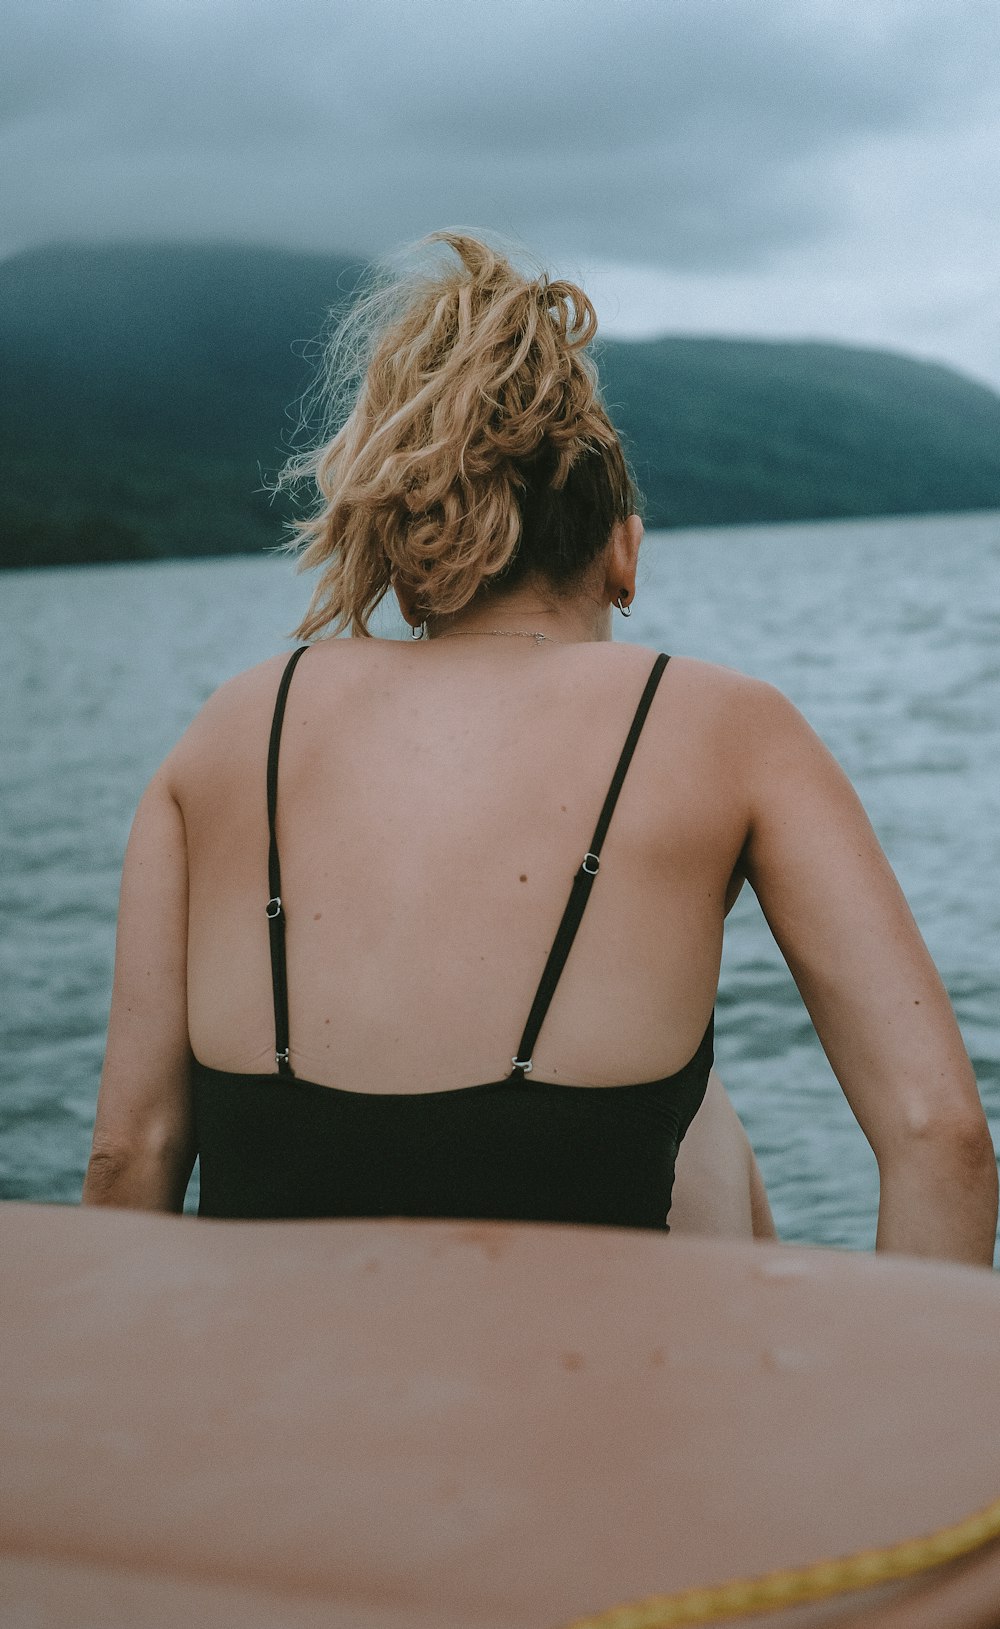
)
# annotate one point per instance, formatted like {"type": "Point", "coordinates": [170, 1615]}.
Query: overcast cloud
{"type": "Point", "coordinates": [739, 166]}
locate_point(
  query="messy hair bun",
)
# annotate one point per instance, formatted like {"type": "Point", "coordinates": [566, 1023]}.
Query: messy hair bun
{"type": "Point", "coordinates": [476, 451]}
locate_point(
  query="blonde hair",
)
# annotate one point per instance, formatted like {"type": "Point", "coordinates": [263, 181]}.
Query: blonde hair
{"type": "Point", "coordinates": [474, 451]}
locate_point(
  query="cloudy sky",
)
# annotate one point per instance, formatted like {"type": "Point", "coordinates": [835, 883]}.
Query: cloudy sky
{"type": "Point", "coordinates": [776, 167]}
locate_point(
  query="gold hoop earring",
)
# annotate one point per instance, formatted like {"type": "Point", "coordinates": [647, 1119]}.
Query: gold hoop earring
{"type": "Point", "coordinates": [626, 609]}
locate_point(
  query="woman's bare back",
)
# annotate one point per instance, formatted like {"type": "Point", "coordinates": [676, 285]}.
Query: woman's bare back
{"type": "Point", "coordinates": [434, 803]}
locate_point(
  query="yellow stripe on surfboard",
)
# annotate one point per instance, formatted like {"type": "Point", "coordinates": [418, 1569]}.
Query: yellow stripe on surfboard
{"type": "Point", "coordinates": [742, 1597]}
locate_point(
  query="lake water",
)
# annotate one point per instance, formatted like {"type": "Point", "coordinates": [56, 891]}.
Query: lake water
{"type": "Point", "coordinates": [886, 634]}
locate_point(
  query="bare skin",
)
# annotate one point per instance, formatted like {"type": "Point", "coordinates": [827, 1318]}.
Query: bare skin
{"type": "Point", "coordinates": [435, 800]}
{"type": "Point", "coordinates": [718, 1189]}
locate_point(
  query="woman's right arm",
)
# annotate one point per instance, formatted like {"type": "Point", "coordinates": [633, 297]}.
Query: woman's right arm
{"type": "Point", "coordinates": [143, 1149]}
{"type": "Point", "coordinates": [872, 991]}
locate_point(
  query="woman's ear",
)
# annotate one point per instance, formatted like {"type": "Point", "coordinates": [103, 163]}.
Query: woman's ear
{"type": "Point", "coordinates": [407, 603]}
{"type": "Point", "coordinates": [623, 557]}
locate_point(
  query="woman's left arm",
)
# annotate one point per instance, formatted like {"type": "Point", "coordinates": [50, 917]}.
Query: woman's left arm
{"type": "Point", "coordinates": [143, 1149]}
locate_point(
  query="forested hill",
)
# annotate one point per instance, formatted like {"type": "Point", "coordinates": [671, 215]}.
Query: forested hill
{"type": "Point", "coordinates": [727, 431]}
{"type": "Point", "coordinates": [150, 389]}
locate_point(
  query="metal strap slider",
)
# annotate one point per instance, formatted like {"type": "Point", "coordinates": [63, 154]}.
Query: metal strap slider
{"type": "Point", "coordinates": [276, 902]}
{"type": "Point", "coordinates": [282, 1057]}
{"type": "Point", "coordinates": [524, 1064]}
{"type": "Point", "coordinates": [591, 870]}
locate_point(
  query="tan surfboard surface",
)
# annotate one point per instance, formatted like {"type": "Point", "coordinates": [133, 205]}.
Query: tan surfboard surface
{"type": "Point", "coordinates": [437, 1425]}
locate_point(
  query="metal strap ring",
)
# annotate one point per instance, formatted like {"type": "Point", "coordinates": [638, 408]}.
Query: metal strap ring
{"type": "Point", "coordinates": [276, 902]}
{"type": "Point", "coordinates": [592, 870]}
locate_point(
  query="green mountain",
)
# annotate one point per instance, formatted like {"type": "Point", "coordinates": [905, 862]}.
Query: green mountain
{"type": "Point", "coordinates": [149, 390]}
{"type": "Point", "coordinates": [727, 431]}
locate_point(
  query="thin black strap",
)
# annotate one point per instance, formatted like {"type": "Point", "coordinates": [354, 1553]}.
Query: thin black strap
{"type": "Point", "coordinates": [274, 908]}
{"type": "Point", "coordinates": [583, 881]}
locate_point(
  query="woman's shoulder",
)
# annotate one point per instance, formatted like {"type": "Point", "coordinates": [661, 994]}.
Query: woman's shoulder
{"type": "Point", "coordinates": [737, 696]}
{"type": "Point", "coordinates": [234, 720]}
{"type": "Point", "coordinates": [236, 717]}
{"type": "Point", "coordinates": [242, 693]}
{"type": "Point", "coordinates": [743, 722]}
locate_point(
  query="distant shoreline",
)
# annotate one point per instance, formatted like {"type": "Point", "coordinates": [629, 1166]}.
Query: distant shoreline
{"type": "Point", "coordinates": [830, 522]}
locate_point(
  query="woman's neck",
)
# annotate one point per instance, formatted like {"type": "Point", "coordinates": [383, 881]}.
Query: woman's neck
{"type": "Point", "coordinates": [528, 613]}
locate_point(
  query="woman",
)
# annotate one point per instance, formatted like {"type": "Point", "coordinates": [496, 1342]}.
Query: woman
{"type": "Point", "coordinates": [330, 1014]}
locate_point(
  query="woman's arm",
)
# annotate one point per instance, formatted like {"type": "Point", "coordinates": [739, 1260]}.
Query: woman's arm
{"type": "Point", "coordinates": [143, 1149]}
{"type": "Point", "coordinates": [872, 991]}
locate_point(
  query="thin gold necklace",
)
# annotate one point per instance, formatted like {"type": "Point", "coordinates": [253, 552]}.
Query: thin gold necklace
{"type": "Point", "coordinates": [502, 633]}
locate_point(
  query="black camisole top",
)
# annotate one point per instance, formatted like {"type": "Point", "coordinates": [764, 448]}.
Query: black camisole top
{"type": "Point", "coordinates": [515, 1149]}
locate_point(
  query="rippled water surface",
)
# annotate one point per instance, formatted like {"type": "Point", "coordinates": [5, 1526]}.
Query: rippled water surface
{"type": "Point", "coordinates": [886, 634]}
